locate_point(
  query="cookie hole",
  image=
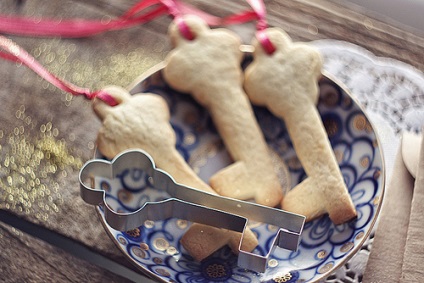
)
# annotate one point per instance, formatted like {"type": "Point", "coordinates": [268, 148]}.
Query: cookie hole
{"type": "Point", "coordinates": [184, 29]}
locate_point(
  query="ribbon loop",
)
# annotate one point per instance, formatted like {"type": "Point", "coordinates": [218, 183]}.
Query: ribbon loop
{"type": "Point", "coordinates": [141, 12]}
{"type": "Point", "coordinates": [259, 7]}
{"type": "Point", "coordinates": [17, 54]}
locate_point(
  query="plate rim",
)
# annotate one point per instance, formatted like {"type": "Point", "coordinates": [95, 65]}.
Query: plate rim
{"type": "Point", "coordinates": [247, 49]}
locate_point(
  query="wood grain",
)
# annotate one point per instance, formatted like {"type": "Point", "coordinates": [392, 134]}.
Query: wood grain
{"type": "Point", "coordinates": [28, 259]}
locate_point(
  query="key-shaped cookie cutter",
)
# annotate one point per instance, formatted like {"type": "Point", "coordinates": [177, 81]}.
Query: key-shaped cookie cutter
{"type": "Point", "coordinates": [189, 204]}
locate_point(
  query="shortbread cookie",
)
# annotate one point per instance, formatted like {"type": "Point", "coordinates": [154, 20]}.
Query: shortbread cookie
{"type": "Point", "coordinates": [142, 121]}
{"type": "Point", "coordinates": [208, 67]}
{"type": "Point", "coordinates": [286, 83]}
{"type": "Point", "coordinates": [201, 241]}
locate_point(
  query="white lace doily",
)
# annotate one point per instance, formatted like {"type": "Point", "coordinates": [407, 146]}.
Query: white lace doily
{"type": "Point", "coordinates": [392, 94]}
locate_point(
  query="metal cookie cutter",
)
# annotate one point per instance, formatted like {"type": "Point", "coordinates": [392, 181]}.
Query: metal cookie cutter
{"type": "Point", "coordinates": [189, 204]}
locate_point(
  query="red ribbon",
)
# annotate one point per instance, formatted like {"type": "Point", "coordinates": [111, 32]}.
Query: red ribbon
{"type": "Point", "coordinates": [259, 7]}
{"type": "Point", "coordinates": [74, 28]}
{"type": "Point", "coordinates": [82, 28]}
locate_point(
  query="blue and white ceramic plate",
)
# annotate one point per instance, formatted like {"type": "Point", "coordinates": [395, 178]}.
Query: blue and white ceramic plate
{"type": "Point", "coordinates": [155, 248]}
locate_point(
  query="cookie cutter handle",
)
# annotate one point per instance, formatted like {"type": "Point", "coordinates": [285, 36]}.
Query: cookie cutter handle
{"type": "Point", "coordinates": [189, 204]}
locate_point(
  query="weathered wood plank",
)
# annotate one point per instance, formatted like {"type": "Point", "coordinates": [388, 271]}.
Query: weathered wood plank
{"type": "Point", "coordinates": [27, 259]}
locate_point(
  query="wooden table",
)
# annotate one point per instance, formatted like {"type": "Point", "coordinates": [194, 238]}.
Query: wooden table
{"type": "Point", "coordinates": [46, 135]}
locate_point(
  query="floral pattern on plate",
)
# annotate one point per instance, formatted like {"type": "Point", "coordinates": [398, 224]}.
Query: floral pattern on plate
{"type": "Point", "coordinates": [154, 247]}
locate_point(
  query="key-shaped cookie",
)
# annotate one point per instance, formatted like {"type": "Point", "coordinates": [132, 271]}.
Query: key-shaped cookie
{"type": "Point", "coordinates": [208, 67]}
{"type": "Point", "coordinates": [286, 82]}
{"type": "Point", "coordinates": [142, 121]}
